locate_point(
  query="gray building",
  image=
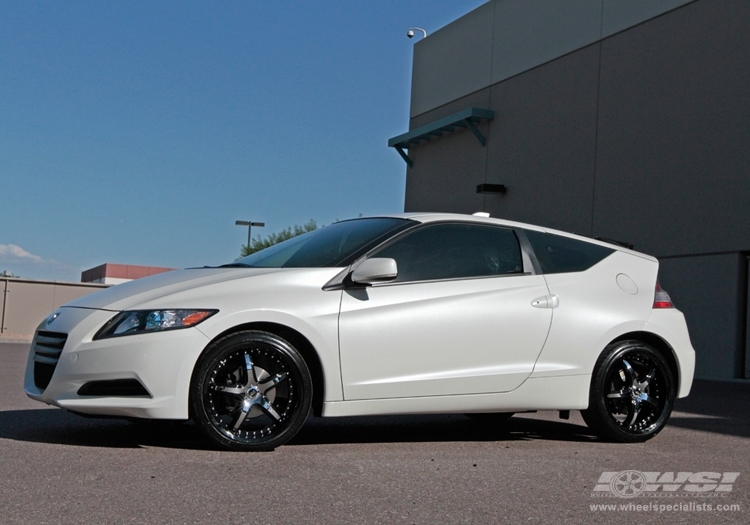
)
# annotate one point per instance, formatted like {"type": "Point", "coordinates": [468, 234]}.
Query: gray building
{"type": "Point", "coordinates": [625, 119]}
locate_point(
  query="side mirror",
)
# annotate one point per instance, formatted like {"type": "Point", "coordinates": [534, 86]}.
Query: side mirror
{"type": "Point", "coordinates": [375, 270]}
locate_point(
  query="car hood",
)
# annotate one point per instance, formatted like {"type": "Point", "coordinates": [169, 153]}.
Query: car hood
{"type": "Point", "coordinates": [127, 295]}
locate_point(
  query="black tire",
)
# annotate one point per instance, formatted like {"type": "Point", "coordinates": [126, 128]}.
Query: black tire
{"type": "Point", "coordinates": [491, 418]}
{"type": "Point", "coordinates": [632, 393]}
{"type": "Point", "coordinates": [251, 391]}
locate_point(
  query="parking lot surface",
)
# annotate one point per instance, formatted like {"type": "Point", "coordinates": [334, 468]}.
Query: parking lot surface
{"type": "Point", "coordinates": [60, 468]}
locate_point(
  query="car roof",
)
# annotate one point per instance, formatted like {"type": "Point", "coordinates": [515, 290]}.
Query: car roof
{"type": "Point", "coordinates": [425, 217]}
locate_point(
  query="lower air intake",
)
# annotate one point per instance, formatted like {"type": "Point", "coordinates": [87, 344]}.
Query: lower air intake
{"type": "Point", "coordinates": [47, 347]}
{"type": "Point", "coordinates": [114, 388]}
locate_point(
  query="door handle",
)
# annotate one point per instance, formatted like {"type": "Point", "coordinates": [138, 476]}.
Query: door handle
{"type": "Point", "coordinates": [546, 301]}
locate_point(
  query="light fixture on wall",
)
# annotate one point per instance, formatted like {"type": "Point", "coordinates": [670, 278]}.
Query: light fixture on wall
{"type": "Point", "coordinates": [410, 32]}
{"type": "Point", "coordinates": [491, 189]}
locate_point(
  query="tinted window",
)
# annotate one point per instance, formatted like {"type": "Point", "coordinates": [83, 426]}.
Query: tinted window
{"type": "Point", "coordinates": [558, 254]}
{"type": "Point", "coordinates": [451, 251]}
{"type": "Point", "coordinates": [335, 245]}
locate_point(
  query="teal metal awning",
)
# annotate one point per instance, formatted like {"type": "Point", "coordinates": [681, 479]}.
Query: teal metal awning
{"type": "Point", "coordinates": [463, 119]}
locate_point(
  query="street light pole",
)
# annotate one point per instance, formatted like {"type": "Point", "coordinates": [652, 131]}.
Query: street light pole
{"type": "Point", "coordinates": [249, 225]}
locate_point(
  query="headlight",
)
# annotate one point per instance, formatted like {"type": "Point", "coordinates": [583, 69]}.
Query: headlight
{"type": "Point", "coordinates": [144, 321]}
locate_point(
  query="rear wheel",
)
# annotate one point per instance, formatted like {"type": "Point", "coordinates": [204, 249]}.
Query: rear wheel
{"type": "Point", "coordinates": [632, 393]}
{"type": "Point", "coordinates": [251, 391]}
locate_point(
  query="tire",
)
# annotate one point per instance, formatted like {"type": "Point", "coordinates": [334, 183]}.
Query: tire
{"type": "Point", "coordinates": [251, 391]}
{"type": "Point", "coordinates": [490, 418]}
{"type": "Point", "coordinates": [632, 393]}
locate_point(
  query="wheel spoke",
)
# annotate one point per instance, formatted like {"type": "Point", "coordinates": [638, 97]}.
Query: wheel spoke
{"type": "Point", "coordinates": [633, 409]}
{"type": "Point", "coordinates": [647, 380]}
{"type": "Point", "coordinates": [616, 395]}
{"type": "Point", "coordinates": [235, 390]}
{"type": "Point", "coordinates": [252, 379]}
{"type": "Point", "coordinates": [630, 376]}
{"type": "Point", "coordinates": [267, 407]}
{"type": "Point", "coordinates": [242, 415]}
{"type": "Point", "coordinates": [645, 398]}
{"type": "Point", "coordinates": [272, 382]}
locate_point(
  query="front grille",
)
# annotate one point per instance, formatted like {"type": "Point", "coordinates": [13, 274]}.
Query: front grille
{"type": "Point", "coordinates": [47, 347]}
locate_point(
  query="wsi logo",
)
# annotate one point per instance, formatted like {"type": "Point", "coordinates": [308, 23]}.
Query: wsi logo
{"type": "Point", "coordinates": [632, 483]}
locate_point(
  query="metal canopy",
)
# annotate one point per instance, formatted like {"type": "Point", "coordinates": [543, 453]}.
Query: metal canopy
{"type": "Point", "coordinates": [463, 119]}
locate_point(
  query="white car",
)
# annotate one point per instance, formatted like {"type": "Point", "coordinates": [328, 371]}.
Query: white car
{"type": "Point", "coordinates": [403, 314]}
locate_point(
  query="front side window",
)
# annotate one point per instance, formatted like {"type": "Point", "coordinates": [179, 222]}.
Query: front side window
{"type": "Point", "coordinates": [454, 251]}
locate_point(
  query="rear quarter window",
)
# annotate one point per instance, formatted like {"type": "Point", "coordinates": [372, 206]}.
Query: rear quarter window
{"type": "Point", "coordinates": [558, 254]}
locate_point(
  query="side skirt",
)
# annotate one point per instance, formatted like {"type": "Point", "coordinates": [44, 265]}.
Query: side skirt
{"type": "Point", "coordinates": [542, 393]}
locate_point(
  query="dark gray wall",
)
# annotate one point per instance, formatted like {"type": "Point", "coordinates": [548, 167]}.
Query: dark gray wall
{"type": "Point", "coordinates": [642, 136]}
{"type": "Point", "coordinates": [447, 167]}
{"type": "Point", "coordinates": [746, 334]}
{"type": "Point", "coordinates": [711, 291]}
{"type": "Point", "coordinates": [543, 143]}
{"type": "Point", "coordinates": [455, 61]}
{"type": "Point", "coordinates": [674, 132]}
{"type": "Point", "coordinates": [503, 38]}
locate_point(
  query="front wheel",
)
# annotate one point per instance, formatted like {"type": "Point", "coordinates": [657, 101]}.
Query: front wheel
{"type": "Point", "coordinates": [251, 391]}
{"type": "Point", "coordinates": [632, 393]}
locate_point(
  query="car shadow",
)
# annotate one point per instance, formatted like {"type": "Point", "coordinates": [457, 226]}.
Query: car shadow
{"type": "Point", "coordinates": [55, 426]}
{"type": "Point", "coordinates": [715, 406]}
{"type": "Point", "coordinates": [435, 428]}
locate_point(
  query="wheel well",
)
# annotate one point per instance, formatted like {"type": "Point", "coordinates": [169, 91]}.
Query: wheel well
{"type": "Point", "coordinates": [658, 344]}
{"type": "Point", "coordinates": [303, 346]}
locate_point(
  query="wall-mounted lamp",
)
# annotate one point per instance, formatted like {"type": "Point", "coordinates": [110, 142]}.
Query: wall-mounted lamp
{"type": "Point", "coordinates": [491, 189]}
{"type": "Point", "coordinates": [410, 32]}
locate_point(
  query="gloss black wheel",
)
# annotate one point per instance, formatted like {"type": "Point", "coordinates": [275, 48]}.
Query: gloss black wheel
{"type": "Point", "coordinates": [251, 391]}
{"type": "Point", "coordinates": [632, 393]}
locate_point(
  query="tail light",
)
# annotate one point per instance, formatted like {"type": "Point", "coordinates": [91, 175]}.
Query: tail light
{"type": "Point", "coordinates": [661, 298]}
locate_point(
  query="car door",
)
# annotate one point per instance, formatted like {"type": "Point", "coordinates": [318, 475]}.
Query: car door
{"type": "Point", "coordinates": [458, 318]}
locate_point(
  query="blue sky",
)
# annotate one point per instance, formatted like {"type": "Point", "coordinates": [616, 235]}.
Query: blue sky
{"type": "Point", "coordinates": [138, 132]}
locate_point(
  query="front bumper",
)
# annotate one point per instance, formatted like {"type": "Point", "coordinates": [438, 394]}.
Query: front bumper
{"type": "Point", "coordinates": [162, 362]}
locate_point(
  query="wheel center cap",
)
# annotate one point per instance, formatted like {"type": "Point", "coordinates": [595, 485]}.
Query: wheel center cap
{"type": "Point", "coordinates": [252, 392]}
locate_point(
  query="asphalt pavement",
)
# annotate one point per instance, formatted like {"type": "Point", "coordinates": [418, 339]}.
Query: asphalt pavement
{"type": "Point", "coordinates": [60, 468]}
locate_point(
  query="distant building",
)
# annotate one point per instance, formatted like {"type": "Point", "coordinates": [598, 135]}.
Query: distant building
{"type": "Point", "coordinates": [110, 273]}
{"type": "Point", "coordinates": [26, 302]}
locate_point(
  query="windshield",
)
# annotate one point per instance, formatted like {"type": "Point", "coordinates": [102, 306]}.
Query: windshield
{"type": "Point", "coordinates": [339, 244]}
